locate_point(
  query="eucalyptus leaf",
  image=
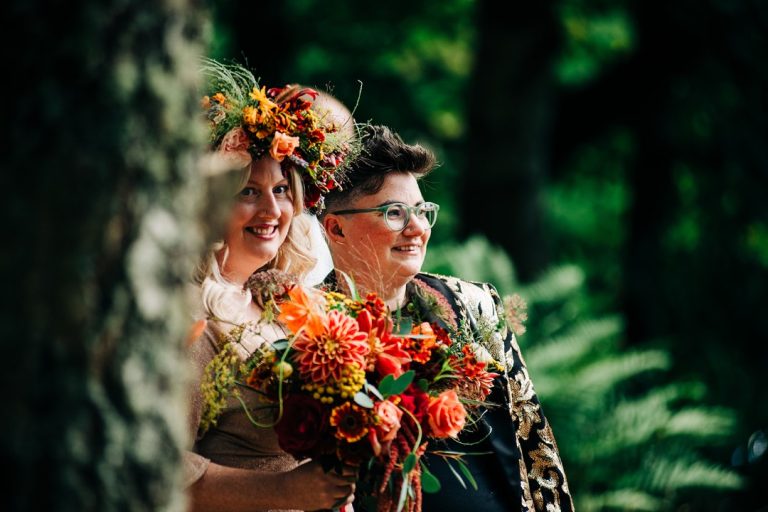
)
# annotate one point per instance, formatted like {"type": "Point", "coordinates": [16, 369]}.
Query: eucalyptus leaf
{"type": "Point", "coordinates": [429, 482]}
{"type": "Point", "coordinates": [386, 384]}
{"type": "Point", "coordinates": [363, 400]}
{"type": "Point", "coordinates": [409, 463]}
{"type": "Point", "coordinates": [280, 344]}
{"type": "Point", "coordinates": [372, 390]}
{"type": "Point", "coordinates": [404, 326]}
{"type": "Point", "coordinates": [402, 382]}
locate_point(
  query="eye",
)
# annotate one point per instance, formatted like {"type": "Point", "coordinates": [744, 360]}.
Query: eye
{"type": "Point", "coordinates": [248, 192]}
{"type": "Point", "coordinates": [395, 212]}
{"type": "Point", "coordinates": [281, 189]}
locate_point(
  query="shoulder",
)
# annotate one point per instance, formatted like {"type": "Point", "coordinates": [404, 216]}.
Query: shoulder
{"type": "Point", "coordinates": [481, 298]}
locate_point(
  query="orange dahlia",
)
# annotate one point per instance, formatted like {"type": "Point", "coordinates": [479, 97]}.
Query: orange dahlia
{"type": "Point", "coordinates": [299, 311]}
{"type": "Point", "coordinates": [322, 354]}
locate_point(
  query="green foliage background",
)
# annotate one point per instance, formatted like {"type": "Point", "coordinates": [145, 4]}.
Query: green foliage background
{"type": "Point", "coordinates": [635, 214]}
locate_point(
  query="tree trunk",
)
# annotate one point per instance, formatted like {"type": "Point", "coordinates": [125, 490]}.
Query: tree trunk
{"type": "Point", "coordinates": [510, 122]}
{"type": "Point", "coordinates": [100, 197]}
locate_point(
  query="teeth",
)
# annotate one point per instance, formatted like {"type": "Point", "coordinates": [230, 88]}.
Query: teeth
{"type": "Point", "coordinates": [261, 231]}
{"type": "Point", "coordinates": [407, 248]}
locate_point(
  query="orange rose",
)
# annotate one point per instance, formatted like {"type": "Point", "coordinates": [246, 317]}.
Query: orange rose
{"type": "Point", "coordinates": [446, 414]}
{"type": "Point", "coordinates": [234, 147]}
{"type": "Point", "coordinates": [282, 146]}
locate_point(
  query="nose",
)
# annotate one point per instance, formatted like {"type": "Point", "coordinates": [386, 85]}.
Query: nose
{"type": "Point", "coordinates": [267, 206]}
{"type": "Point", "coordinates": [416, 226]}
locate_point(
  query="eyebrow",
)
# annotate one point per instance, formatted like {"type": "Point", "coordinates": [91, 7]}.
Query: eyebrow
{"type": "Point", "coordinates": [281, 182]}
{"type": "Point", "coordinates": [391, 201]}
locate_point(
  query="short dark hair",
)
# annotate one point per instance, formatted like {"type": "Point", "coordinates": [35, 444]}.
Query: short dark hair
{"type": "Point", "coordinates": [383, 152]}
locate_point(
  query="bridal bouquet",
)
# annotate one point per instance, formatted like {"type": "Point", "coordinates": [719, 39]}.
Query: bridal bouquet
{"type": "Point", "coordinates": [353, 387]}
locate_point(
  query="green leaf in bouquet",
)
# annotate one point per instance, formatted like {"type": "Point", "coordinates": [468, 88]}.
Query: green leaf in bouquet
{"type": "Point", "coordinates": [403, 326]}
{"type": "Point", "coordinates": [403, 495]}
{"type": "Point", "coordinates": [372, 390]}
{"type": "Point", "coordinates": [386, 384]}
{"type": "Point", "coordinates": [467, 473]}
{"type": "Point", "coordinates": [280, 344]}
{"type": "Point", "coordinates": [429, 482]}
{"type": "Point", "coordinates": [423, 384]}
{"type": "Point", "coordinates": [363, 400]}
{"type": "Point", "coordinates": [455, 473]}
{"type": "Point", "coordinates": [401, 383]}
{"type": "Point", "coordinates": [409, 463]}
{"type": "Point", "coordinates": [350, 285]}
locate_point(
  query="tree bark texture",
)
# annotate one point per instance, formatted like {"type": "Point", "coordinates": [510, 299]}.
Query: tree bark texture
{"type": "Point", "coordinates": [99, 198]}
{"type": "Point", "coordinates": [510, 119]}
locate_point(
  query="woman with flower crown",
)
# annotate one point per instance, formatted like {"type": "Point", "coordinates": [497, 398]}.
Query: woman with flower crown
{"type": "Point", "coordinates": [378, 227]}
{"type": "Point", "coordinates": [289, 159]}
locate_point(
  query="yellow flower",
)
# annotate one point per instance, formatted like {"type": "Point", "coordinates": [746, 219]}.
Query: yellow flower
{"type": "Point", "coordinates": [249, 115]}
{"type": "Point", "coordinates": [260, 95]}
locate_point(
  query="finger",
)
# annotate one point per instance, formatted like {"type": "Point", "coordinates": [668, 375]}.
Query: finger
{"type": "Point", "coordinates": [344, 501]}
{"type": "Point", "coordinates": [345, 490]}
{"type": "Point", "coordinates": [349, 470]}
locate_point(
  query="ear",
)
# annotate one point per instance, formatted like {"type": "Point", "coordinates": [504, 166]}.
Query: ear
{"type": "Point", "coordinates": [333, 230]}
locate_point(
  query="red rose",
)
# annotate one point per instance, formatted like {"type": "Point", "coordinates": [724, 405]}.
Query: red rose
{"type": "Point", "coordinates": [302, 427]}
{"type": "Point", "coordinates": [416, 401]}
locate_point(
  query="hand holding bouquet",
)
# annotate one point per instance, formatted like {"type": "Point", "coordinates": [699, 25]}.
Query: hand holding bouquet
{"type": "Point", "coordinates": [354, 388]}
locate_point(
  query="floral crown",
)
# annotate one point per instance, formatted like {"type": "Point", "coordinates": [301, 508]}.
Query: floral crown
{"type": "Point", "coordinates": [248, 122]}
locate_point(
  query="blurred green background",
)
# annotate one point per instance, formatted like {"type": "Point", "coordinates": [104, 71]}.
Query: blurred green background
{"type": "Point", "coordinates": [608, 162]}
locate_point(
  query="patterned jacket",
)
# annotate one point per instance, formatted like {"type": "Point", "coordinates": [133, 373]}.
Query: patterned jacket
{"type": "Point", "coordinates": [479, 317]}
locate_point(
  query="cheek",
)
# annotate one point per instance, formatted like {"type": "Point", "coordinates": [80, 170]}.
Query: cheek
{"type": "Point", "coordinates": [238, 219]}
{"type": "Point", "coordinates": [382, 240]}
{"type": "Point", "coordinates": [286, 213]}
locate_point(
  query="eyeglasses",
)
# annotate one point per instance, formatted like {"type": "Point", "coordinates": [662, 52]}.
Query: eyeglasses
{"type": "Point", "coordinates": [398, 215]}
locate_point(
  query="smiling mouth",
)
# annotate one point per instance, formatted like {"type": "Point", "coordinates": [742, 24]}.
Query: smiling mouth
{"type": "Point", "coordinates": [262, 231]}
{"type": "Point", "coordinates": [407, 248]}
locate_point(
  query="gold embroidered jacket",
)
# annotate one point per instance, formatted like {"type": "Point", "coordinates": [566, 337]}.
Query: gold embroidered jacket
{"type": "Point", "coordinates": [479, 315]}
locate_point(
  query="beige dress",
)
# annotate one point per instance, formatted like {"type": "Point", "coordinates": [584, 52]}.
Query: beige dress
{"type": "Point", "coordinates": [234, 441]}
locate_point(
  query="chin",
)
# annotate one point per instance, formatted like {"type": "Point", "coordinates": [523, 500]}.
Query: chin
{"type": "Point", "coordinates": [263, 254]}
{"type": "Point", "coordinates": [409, 271]}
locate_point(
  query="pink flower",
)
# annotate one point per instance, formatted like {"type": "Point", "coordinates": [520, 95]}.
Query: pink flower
{"type": "Point", "coordinates": [385, 430]}
{"type": "Point", "coordinates": [389, 419]}
{"type": "Point", "coordinates": [234, 147]}
{"type": "Point", "coordinates": [446, 414]}
{"type": "Point", "coordinates": [282, 146]}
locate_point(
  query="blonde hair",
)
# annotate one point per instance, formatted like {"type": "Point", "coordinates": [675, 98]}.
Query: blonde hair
{"type": "Point", "coordinates": [224, 300]}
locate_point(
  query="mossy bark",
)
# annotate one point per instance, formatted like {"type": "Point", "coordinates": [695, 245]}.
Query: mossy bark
{"type": "Point", "coordinates": [100, 196]}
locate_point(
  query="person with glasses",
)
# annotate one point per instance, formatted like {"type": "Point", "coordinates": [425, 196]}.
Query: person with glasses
{"type": "Point", "coordinates": [378, 226]}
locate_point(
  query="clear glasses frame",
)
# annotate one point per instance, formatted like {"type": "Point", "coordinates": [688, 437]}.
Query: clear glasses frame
{"type": "Point", "coordinates": [398, 215]}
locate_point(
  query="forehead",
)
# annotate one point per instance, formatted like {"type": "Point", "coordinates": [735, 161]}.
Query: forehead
{"type": "Point", "coordinates": [397, 187]}
{"type": "Point", "coordinates": [266, 170]}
